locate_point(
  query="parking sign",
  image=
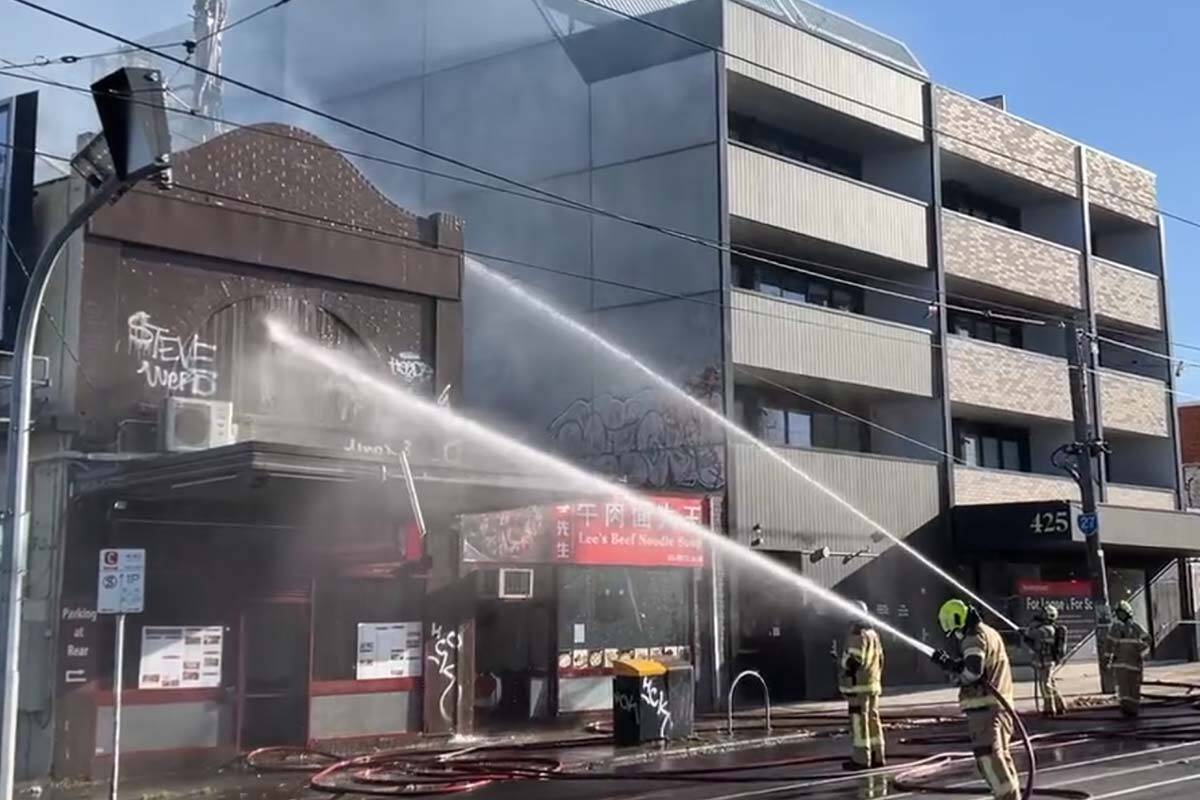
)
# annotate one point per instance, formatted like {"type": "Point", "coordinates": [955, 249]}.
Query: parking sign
{"type": "Point", "coordinates": [122, 585]}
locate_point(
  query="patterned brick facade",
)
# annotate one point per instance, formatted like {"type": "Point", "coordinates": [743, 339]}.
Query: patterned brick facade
{"type": "Point", "coordinates": [1126, 294]}
{"type": "Point", "coordinates": [989, 375]}
{"type": "Point", "coordinates": [1122, 187]}
{"type": "Point", "coordinates": [1140, 497]}
{"type": "Point", "coordinates": [993, 137]}
{"type": "Point", "coordinates": [1016, 262]}
{"type": "Point", "coordinates": [973, 487]}
{"type": "Point", "coordinates": [1134, 404]}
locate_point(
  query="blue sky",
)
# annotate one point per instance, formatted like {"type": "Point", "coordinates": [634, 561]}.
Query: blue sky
{"type": "Point", "coordinates": [1117, 76]}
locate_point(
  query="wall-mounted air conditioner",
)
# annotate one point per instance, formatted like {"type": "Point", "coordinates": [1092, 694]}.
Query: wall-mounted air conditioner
{"type": "Point", "coordinates": [189, 423]}
{"type": "Point", "coordinates": [515, 584]}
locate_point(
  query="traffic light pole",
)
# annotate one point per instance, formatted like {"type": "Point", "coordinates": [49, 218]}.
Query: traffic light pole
{"type": "Point", "coordinates": [1083, 452]}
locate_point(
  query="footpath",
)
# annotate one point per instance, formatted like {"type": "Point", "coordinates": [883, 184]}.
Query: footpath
{"type": "Point", "coordinates": [796, 723]}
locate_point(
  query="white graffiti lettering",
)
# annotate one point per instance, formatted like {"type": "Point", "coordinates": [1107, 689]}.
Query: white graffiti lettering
{"type": "Point", "coordinates": [445, 648]}
{"type": "Point", "coordinates": [656, 698]}
{"type": "Point", "coordinates": [168, 361]}
{"type": "Point", "coordinates": [410, 367]}
{"type": "Point", "coordinates": [368, 449]}
{"type": "Point", "coordinates": [626, 702]}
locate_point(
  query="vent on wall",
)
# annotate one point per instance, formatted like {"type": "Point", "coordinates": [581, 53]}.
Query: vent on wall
{"type": "Point", "coordinates": [515, 584]}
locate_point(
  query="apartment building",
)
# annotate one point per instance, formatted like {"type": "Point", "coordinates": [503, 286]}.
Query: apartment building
{"type": "Point", "coordinates": [864, 269]}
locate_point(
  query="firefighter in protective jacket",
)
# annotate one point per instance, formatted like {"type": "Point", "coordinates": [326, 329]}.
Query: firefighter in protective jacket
{"type": "Point", "coordinates": [983, 663]}
{"type": "Point", "coordinates": [1125, 653]}
{"type": "Point", "coordinates": [1047, 639]}
{"type": "Point", "coordinates": [860, 680]}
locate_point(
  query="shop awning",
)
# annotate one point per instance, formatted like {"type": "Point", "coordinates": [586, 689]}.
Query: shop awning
{"type": "Point", "coordinates": [273, 472]}
{"type": "Point", "coordinates": [1053, 526]}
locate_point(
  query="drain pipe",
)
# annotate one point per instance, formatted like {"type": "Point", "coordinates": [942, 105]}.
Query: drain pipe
{"type": "Point", "coordinates": [411, 486]}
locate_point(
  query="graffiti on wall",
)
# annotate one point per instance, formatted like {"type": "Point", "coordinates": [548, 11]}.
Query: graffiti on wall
{"type": "Point", "coordinates": [410, 368]}
{"type": "Point", "coordinates": [169, 361]}
{"type": "Point", "coordinates": [445, 652]}
{"type": "Point", "coordinates": [648, 438]}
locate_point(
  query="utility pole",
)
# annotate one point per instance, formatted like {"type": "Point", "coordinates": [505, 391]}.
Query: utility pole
{"type": "Point", "coordinates": [1078, 459]}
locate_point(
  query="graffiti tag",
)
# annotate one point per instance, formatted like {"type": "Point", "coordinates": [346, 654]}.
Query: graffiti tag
{"type": "Point", "coordinates": [656, 698]}
{"type": "Point", "coordinates": [445, 648]}
{"type": "Point", "coordinates": [409, 367]}
{"type": "Point", "coordinates": [169, 361]}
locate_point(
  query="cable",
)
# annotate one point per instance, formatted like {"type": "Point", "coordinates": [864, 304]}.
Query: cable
{"type": "Point", "coordinates": [44, 61]}
{"type": "Point", "coordinates": [886, 112]}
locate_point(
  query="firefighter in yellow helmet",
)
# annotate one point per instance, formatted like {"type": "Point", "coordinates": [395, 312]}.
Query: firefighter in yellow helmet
{"type": "Point", "coordinates": [982, 662]}
{"type": "Point", "coordinates": [1125, 653]}
{"type": "Point", "coordinates": [860, 680]}
{"type": "Point", "coordinates": [1047, 640]}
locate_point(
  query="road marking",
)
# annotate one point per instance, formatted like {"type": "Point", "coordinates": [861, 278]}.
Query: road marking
{"type": "Point", "coordinates": [1146, 787]}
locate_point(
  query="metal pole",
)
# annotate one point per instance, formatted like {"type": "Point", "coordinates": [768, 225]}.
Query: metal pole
{"type": "Point", "coordinates": [118, 686]}
{"type": "Point", "coordinates": [411, 485]}
{"type": "Point", "coordinates": [1085, 450]}
{"type": "Point", "coordinates": [16, 531]}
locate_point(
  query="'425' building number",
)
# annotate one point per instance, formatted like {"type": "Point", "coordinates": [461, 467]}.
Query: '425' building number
{"type": "Point", "coordinates": [1051, 522]}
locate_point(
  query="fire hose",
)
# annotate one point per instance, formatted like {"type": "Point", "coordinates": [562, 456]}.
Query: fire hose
{"type": "Point", "coordinates": [410, 772]}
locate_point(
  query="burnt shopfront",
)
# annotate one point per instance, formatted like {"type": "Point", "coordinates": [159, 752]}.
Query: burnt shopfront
{"type": "Point", "coordinates": [290, 598]}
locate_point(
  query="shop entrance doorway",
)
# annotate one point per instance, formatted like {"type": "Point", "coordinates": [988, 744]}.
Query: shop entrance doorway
{"type": "Point", "coordinates": [273, 673]}
{"type": "Point", "coordinates": [771, 635]}
{"type": "Point", "coordinates": [514, 657]}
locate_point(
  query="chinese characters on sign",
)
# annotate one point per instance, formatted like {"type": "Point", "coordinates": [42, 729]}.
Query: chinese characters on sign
{"type": "Point", "coordinates": [388, 650]}
{"type": "Point", "coordinates": [614, 533]}
{"type": "Point", "coordinates": [181, 658]}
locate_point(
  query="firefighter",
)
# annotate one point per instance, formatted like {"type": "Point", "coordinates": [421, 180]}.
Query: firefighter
{"type": "Point", "coordinates": [982, 662]}
{"type": "Point", "coordinates": [860, 680]}
{"type": "Point", "coordinates": [1047, 639]}
{"type": "Point", "coordinates": [1125, 653]}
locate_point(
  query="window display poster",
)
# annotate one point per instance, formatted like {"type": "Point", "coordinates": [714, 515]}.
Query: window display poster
{"type": "Point", "coordinates": [181, 657]}
{"type": "Point", "coordinates": [388, 650]}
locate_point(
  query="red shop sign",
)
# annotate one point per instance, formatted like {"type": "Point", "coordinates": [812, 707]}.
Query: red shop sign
{"type": "Point", "coordinates": [1031, 588]}
{"type": "Point", "coordinates": [620, 533]}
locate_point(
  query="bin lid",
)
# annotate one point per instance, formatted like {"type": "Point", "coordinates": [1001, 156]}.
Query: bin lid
{"type": "Point", "coordinates": [638, 667]}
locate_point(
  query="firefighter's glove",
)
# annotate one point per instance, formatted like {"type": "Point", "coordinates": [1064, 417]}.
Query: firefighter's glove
{"type": "Point", "coordinates": [946, 662]}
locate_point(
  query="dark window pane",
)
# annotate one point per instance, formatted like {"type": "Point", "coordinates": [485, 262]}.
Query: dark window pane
{"type": "Point", "coordinates": [849, 435]}
{"type": "Point", "coordinates": [843, 300]}
{"type": "Point", "coordinates": [970, 449]}
{"type": "Point", "coordinates": [984, 330]}
{"type": "Point", "coordinates": [794, 294]}
{"type": "Point", "coordinates": [1011, 453]}
{"type": "Point", "coordinates": [1004, 335]}
{"type": "Point", "coordinates": [818, 294]}
{"type": "Point", "coordinates": [990, 447]}
{"type": "Point", "coordinates": [824, 431]}
{"type": "Point", "coordinates": [799, 429]}
{"type": "Point", "coordinates": [768, 285]}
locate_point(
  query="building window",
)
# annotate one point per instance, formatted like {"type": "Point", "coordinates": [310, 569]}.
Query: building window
{"type": "Point", "coordinates": [798, 287]}
{"type": "Point", "coordinates": [957, 197]}
{"type": "Point", "coordinates": [803, 428]}
{"type": "Point", "coordinates": [764, 136]}
{"type": "Point", "coordinates": [988, 330]}
{"type": "Point", "coordinates": [992, 446]}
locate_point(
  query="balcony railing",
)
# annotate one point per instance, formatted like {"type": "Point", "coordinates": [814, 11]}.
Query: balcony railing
{"type": "Point", "coordinates": [1133, 404]}
{"type": "Point", "coordinates": [1121, 187]}
{"type": "Point", "coordinates": [975, 486]}
{"type": "Point", "coordinates": [1125, 294]}
{"type": "Point", "coordinates": [993, 376]}
{"type": "Point", "coordinates": [1010, 260]}
{"type": "Point", "coordinates": [1140, 497]}
{"type": "Point", "coordinates": [822, 205]}
{"type": "Point", "coordinates": [799, 339]}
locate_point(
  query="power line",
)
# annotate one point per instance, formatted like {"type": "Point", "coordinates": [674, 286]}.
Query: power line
{"type": "Point", "coordinates": [886, 112]}
{"type": "Point", "coordinates": [68, 59]}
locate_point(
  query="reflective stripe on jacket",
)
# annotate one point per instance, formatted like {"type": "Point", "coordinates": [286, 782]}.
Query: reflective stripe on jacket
{"type": "Point", "coordinates": [1128, 644]}
{"type": "Point", "coordinates": [986, 643]}
{"type": "Point", "coordinates": [863, 646]}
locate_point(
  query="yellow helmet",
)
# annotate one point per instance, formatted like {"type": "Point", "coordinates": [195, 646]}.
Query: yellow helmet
{"type": "Point", "coordinates": [1124, 610]}
{"type": "Point", "coordinates": [952, 616]}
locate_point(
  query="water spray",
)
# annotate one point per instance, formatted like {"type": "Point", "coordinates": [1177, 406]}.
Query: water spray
{"type": "Point", "coordinates": [731, 427]}
{"type": "Point", "coordinates": [443, 417]}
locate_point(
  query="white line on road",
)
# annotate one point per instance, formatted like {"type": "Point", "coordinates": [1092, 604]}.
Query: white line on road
{"type": "Point", "coordinates": [1146, 787]}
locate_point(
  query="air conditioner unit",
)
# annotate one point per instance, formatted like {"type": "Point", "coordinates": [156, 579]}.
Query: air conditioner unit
{"type": "Point", "coordinates": [515, 584]}
{"type": "Point", "coordinates": [188, 424]}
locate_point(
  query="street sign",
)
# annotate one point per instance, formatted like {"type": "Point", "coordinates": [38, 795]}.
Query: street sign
{"type": "Point", "coordinates": [1088, 523]}
{"type": "Point", "coordinates": [122, 585]}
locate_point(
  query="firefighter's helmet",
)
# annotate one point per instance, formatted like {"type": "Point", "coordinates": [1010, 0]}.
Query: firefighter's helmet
{"type": "Point", "coordinates": [1049, 613]}
{"type": "Point", "coordinates": [1124, 611]}
{"type": "Point", "coordinates": [952, 616]}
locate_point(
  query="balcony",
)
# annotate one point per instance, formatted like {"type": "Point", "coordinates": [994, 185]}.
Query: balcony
{"type": "Point", "coordinates": [812, 203]}
{"type": "Point", "coordinates": [855, 86]}
{"type": "Point", "coordinates": [974, 486]}
{"type": "Point", "coordinates": [1140, 497]}
{"type": "Point", "coordinates": [999, 378]}
{"type": "Point", "coordinates": [1120, 187]}
{"type": "Point", "coordinates": [1134, 404]}
{"type": "Point", "coordinates": [899, 494]}
{"type": "Point", "coordinates": [1126, 295]}
{"type": "Point", "coordinates": [985, 134]}
{"type": "Point", "coordinates": [1011, 261]}
{"type": "Point", "coordinates": [799, 339]}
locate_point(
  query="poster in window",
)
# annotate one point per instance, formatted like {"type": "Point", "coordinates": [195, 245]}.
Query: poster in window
{"type": "Point", "coordinates": [388, 650]}
{"type": "Point", "coordinates": [181, 657]}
